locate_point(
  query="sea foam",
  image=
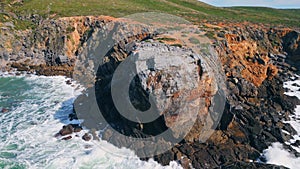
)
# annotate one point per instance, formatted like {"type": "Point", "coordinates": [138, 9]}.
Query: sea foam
{"type": "Point", "coordinates": [28, 129]}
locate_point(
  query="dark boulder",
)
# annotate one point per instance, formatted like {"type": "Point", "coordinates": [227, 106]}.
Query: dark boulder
{"type": "Point", "coordinates": [66, 130]}
{"type": "Point", "coordinates": [86, 137]}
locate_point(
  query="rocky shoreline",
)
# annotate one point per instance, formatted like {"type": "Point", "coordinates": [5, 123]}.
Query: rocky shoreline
{"type": "Point", "coordinates": [256, 61]}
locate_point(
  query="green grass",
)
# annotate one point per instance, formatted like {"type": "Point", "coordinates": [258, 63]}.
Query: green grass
{"type": "Point", "coordinates": [166, 39]}
{"type": "Point", "coordinates": [270, 15]}
{"type": "Point", "coordinates": [18, 23]}
{"type": "Point", "coordinates": [177, 45]}
{"type": "Point", "coordinates": [191, 10]}
{"type": "Point", "coordinates": [194, 40]}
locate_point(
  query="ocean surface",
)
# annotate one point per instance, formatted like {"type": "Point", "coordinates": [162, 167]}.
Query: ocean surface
{"type": "Point", "coordinates": [34, 110]}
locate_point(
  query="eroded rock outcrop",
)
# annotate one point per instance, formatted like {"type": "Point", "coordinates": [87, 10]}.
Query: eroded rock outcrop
{"type": "Point", "coordinates": [181, 89]}
{"type": "Point", "coordinates": [255, 58]}
{"type": "Point", "coordinates": [254, 110]}
{"type": "Point", "coordinates": [40, 50]}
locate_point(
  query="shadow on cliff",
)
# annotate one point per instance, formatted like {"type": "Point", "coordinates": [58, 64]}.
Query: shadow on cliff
{"type": "Point", "coordinates": [138, 97]}
{"type": "Point", "coordinates": [291, 45]}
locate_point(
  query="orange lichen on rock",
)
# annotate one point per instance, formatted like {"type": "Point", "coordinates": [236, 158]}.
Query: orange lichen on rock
{"type": "Point", "coordinates": [78, 28]}
{"type": "Point", "coordinates": [235, 130]}
{"type": "Point", "coordinates": [212, 26]}
{"type": "Point", "coordinates": [255, 73]}
{"type": "Point", "coordinates": [246, 53]}
{"type": "Point", "coordinates": [272, 71]}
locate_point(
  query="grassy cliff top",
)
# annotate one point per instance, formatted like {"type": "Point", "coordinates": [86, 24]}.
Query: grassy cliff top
{"type": "Point", "coordinates": [192, 10]}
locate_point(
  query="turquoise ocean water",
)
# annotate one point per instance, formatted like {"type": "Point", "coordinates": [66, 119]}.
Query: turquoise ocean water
{"type": "Point", "coordinates": [36, 109]}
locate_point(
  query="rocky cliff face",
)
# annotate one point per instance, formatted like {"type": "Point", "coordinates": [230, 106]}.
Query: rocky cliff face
{"type": "Point", "coordinates": [41, 50]}
{"type": "Point", "coordinates": [255, 59]}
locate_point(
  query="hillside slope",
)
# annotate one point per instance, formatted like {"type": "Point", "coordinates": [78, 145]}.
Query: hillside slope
{"type": "Point", "coordinates": [192, 10]}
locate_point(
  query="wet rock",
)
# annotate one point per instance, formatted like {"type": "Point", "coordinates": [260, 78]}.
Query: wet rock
{"type": "Point", "coordinates": [68, 82]}
{"type": "Point", "coordinates": [257, 143]}
{"type": "Point", "coordinates": [289, 129]}
{"type": "Point", "coordinates": [66, 130]}
{"type": "Point", "coordinates": [67, 138]}
{"type": "Point", "coordinates": [165, 158]}
{"type": "Point", "coordinates": [244, 165]}
{"type": "Point", "coordinates": [4, 110]}
{"type": "Point", "coordinates": [86, 137]}
{"type": "Point", "coordinates": [77, 129]}
{"type": "Point", "coordinates": [296, 143]}
{"type": "Point", "coordinates": [277, 133]}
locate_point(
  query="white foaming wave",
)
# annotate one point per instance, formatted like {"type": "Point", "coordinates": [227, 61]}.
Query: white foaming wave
{"type": "Point", "coordinates": [276, 154]}
{"type": "Point", "coordinates": [34, 122]}
{"type": "Point", "coordinates": [294, 87]}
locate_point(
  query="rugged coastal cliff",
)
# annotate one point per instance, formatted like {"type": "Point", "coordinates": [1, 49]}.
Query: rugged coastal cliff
{"type": "Point", "coordinates": [256, 60]}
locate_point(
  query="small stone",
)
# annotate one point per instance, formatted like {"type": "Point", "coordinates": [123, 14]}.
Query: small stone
{"type": "Point", "coordinates": [86, 137]}
{"type": "Point", "coordinates": [66, 130]}
{"type": "Point", "coordinates": [4, 110]}
{"type": "Point", "coordinates": [68, 82]}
